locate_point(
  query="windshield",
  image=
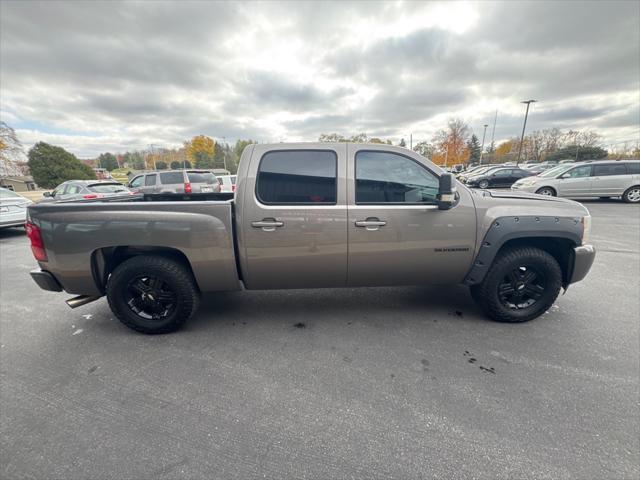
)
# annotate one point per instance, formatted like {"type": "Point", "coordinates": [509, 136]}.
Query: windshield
{"type": "Point", "coordinates": [108, 188]}
{"type": "Point", "coordinates": [6, 193]}
{"type": "Point", "coordinates": [555, 171]}
{"type": "Point", "coordinates": [201, 177]}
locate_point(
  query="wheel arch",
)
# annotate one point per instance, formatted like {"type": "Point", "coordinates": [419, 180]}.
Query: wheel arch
{"type": "Point", "coordinates": [557, 236]}
{"type": "Point", "coordinates": [555, 190]}
{"type": "Point", "coordinates": [104, 260]}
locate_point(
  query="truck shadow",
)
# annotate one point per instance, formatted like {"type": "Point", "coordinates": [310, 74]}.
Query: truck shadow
{"type": "Point", "coordinates": [301, 308]}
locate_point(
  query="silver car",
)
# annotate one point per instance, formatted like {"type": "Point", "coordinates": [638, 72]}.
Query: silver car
{"type": "Point", "coordinates": [86, 190]}
{"type": "Point", "coordinates": [175, 181]}
{"type": "Point", "coordinates": [13, 208]}
{"type": "Point", "coordinates": [603, 179]}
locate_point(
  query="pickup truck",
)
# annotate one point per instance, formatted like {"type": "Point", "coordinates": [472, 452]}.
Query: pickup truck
{"type": "Point", "coordinates": [312, 216]}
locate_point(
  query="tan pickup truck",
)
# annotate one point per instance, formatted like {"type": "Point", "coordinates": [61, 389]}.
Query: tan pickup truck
{"type": "Point", "coordinates": [312, 216]}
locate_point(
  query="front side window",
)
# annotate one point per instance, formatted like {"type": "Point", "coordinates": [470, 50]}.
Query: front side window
{"type": "Point", "coordinates": [384, 177]}
{"type": "Point", "coordinates": [580, 172]}
{"type": "Point", "coordinates": [136, 182]}
{"type": "Point", "coordinates": [150, 180]}
{"type": "Point", "coordinates": [298, 177]}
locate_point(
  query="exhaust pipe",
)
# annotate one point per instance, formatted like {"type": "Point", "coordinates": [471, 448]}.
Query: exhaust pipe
{"type": "Point", "coordinates": [81, 300]}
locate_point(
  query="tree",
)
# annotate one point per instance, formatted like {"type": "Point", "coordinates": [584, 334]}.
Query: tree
{"type": "Point", "coordinates": [578, 152]}
{"type": "Point", "coordinates": [402, 143]}
{"type": "Point", "coordinates": [201, 150]}
{"type": "Point", "coordinates": [473, 145]}
{"type": "Point", "coordinates": [161, 165]}
{"type": "Point", "coordinates": [50, 166]}
{"type": "Point", "coordinates": [108, 161]}
{"type": "Point", "coordinates": [175, 165]}
{"type": "Point", "coordinates": [424, 148]}
{"type": "Point", "coordinates": [331, 137]}
{"type": "Point", "coordinates": [11, 152]}
{"type": "Point", "coordinates": [450, 144]}
{"type": "Point", "coordinates": [379, 140]}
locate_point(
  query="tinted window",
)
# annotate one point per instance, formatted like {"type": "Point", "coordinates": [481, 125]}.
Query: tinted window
{"type": "Point", "coordinates": [502, 173]}
{"type": "Point", "coordinates": [633, 168]}
{"type": "Point", "coordinates": [171, 177]}
{"type": "Point", "coordinates": [297, 176]}
{"type": "Point", "coordinates": [202, 177]}
{"type": "Point", "coordinates": [609, 169]}
{"type": "Point", "coordinates": [233, 179]}
{"type": "Point", "coordinates": [72, 189]}
{"type": "Point", "coordinates": [150, 180]}
{"type": "Point", "coordinates": [383, 177]}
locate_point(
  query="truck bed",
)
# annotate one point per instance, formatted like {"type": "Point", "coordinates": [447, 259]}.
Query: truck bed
{"type": "Point", "coordinates": [80, 237]}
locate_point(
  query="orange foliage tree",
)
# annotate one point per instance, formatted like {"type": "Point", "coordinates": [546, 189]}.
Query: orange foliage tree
{"type": "Point", "coordinates": [450, 144]}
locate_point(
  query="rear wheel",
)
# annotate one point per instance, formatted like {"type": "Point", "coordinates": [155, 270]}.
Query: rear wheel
{"type": "Point", "coordinates": [152, 294]}
{"type": "Point", "coordinates": [548, 191]}
{"type": "Point", "coordinates": [521, 285]}
{"type": "Point", "coordinates": [632, 195]}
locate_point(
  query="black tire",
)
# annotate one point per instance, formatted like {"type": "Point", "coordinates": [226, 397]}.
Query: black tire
{"type": "Point", "coordinates": [501, 294]}
{"type": "Point", "coordinates": [152, 294]}
{"type": "Point", "coordinates": [604, 198]}
{"type": "Point", "coordinates": [632, 194]}
{"type": "Point", "coordinates": [547, 191]}
{"type": "Point", "coordinates": [483, 184]}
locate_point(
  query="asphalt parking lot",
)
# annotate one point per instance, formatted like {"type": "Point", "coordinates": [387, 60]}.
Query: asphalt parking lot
{"type": "Point", "coordinates": [358, 383]}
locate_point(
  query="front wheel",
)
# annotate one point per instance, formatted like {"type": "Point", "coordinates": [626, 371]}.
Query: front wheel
{"type": "Point", "coordinates": [152, 294]}
{"type": "Point", "coordinates": [521, 285]}
{"type": "Point", "coordinates": [632, 195]}
{"type": "Point", "coordinates": [483, 184]}
{"type": "Point", "coordinates": [548, 191]}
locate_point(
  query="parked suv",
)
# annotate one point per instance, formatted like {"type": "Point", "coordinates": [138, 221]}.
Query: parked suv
{"type": "Point", "coordinates": [227, 183]}
{"type": "Point", "coordinates": [588, 179]}
{"type": "Point", "coordinates": [175, 181]}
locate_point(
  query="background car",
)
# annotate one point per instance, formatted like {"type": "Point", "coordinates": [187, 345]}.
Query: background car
{"type": "Point", "coordinates": [175, 181]}
{"type": "Point", "coordinates": [498, 177]}
{"type": "Point", "coordinates": [227, 183]}
{"type": "Point", "coordinates": [588, 179]}
{"type": "Point", "coordinates": [86, 189]}
{"type": "Point", "coordinates": [13, 208]}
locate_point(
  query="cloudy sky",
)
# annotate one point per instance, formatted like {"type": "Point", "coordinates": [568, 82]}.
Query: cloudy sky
{"type": "Point", "coordinates": [95, 77]}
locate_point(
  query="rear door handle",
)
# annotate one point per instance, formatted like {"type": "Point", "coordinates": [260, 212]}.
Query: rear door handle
{"type": "Point", "coordinates": [267, 224]}
{"type": "Point", "coordinates": [371, 223]}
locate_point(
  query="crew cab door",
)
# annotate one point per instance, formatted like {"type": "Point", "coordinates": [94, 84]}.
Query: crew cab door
{"type": "Point", "coordinates": [292, 214]}
{"type": "Point", "coordinates": [397, 235]}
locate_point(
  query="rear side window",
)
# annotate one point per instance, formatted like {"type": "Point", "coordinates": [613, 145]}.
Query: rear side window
{"type": "Point", "coordinates": [385, 177]}
{"type": "Point", "coordinates": [609, 169]}
{"type": "Point", "coordinates": [150, 180]}
{"type": "Point", "coordinates": [167, 178]}
{"type": "Point", "coordinates": [633, 168]}
{"type": "Point", "coordinates": [298, 177]}
{"type": "Point", "coordinates": [202, 177]}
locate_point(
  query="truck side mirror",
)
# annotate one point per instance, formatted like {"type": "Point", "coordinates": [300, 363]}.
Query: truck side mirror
{"type": "Point", "coordinates": [446, 192]}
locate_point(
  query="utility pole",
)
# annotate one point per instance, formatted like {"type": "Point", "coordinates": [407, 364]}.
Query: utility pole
{"type": "Point", "coordinates": [482, 148]}
{"type": "Point", "coordinates": [493, 132]}
{"type": "Point", "coordinates": [526, 114]}
{"type": "Point", "coordinates": [411, 140]}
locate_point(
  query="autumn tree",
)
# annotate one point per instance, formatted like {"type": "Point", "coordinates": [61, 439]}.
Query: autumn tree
{"type": "Point", "coordinates": [200, 151]}
{"type": "Point", "coordinates": [50, 166]}
{"type": "Point", "coordinates": [11, 151]}
{"type": "Point", "coordinates": [450, 144]}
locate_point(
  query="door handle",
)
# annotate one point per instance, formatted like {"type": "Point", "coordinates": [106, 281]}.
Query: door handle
{"type": "Point", "coordinates": [371, 223]}
{"type": "Point", "coordinates": [267, 224]}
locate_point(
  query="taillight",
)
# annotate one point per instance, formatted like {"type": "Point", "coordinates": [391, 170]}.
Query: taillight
{"type": "Point", "coordinates": [233, 188]}
{"type": "Point", "coordinates": [37, 245]}
{"type": "Point", "coordinates": [92, 195]}
{"type": "Point", "coordinates": [187, 188]}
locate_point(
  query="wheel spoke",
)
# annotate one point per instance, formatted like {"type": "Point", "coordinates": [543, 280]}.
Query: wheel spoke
{"type": "Point", "coordinates": [139, 287]}
{"type": "Point", "coordinates": [528, 277]}
{"type": "Point", "coordinates": [506, 289]}
{"type": "Point", "coordinates": [155, 283]}
{"type": "Point", "coordinates": [534, 291]}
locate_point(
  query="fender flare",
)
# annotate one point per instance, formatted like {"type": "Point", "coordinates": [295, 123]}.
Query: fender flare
{"type": "Point", "coordinates": [504, 229]}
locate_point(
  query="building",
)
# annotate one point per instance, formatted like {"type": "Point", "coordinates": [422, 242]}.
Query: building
{"type": "Point", "coordinates": [18, 183]}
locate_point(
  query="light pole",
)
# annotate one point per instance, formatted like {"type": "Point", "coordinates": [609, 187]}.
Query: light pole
{"type": "Point", "coordinates": [482, 147]}
{"type": "Point", "coordinates": [526, 114]}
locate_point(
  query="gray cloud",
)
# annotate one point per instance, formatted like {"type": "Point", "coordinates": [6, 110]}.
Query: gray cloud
{"type": "Point", "coordinates": [116, 75]}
